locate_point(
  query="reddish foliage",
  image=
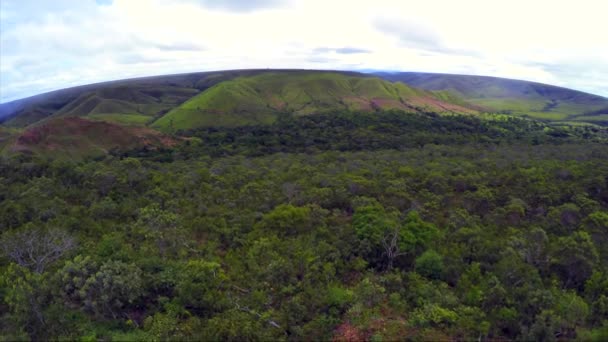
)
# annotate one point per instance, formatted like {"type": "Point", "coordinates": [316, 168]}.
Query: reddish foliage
{"type": "Point", "coordinates": [75, 133]}
{"type": "Point", "coordinates": [348, 332]}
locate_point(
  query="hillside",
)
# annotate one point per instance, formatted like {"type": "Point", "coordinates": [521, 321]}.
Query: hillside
{"type": "Point", "coordinates": [141, 98]}
{"type": "Point", "coordinates": [260, 99]}
{"type": "Point", "coordinates": [521, 98]}
{"type": "Point", "coordinates": [263, 222]}
{"type": "Point", "coordinates": [242, 97]}
{"type": "Point", "coordinates": [283, 232]}
{"type": "Point", "coordinates": [74, 138]}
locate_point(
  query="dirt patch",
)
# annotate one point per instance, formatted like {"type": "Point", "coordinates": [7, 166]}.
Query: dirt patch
{"type": "Point", "coordinates": [348, 332]}
{"type": "Point", "coordinates": [78, 136]}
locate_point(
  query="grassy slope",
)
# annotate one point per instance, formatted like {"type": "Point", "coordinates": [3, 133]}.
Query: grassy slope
{"type": "Point", "coordinates": [520, 98]}
{"type": "Point", "coordinates": [122, 118]}
{"type": "Point", "coordinates": [152, 96]}
{"type": "Point", "coordinates": [7, 136]}
{"type": "Point", "coordinates": [258, 96]}
{"type": "Point", "coordinates": [140, 100]}
{"type": "Point", "coordinates": [138, 104]}
{"type": "Point", "coordinates": [261, 98]}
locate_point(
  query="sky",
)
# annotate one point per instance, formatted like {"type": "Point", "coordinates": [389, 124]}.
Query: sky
{"type": "Point", "coordinates": [54, 44]}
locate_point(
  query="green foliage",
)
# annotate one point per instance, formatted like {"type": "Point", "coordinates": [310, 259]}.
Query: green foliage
{"type": "Point", "coordinates": [373, 222]}
{"type": "Point", "coordinates": [339, 297]}
{"type": "Point", "coordinates": [105, 290]}
{"type": "Point", "coordinates": [199, 286]}
{"type": "Point", "coordinates": [286, 220]}
{"type": "Point", "coordinates": [514, 97]}
{"type": "Point", "coordinates": [326, 227]}
{"type": "Point", "coordinates": [264, 98]}
{"type": "Point", "coordinates": [574, 257]}
{"type": "Point", "coordinates": [430, 264]}
{"type": "Point", "coordinates": [434, 316]}
{"type": "Point", "coordinates": [24, 296]}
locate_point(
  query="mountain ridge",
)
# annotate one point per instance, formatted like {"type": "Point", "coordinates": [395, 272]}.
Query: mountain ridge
{"type": "Point", "coordinates": [521, 98]}
{"type": "Point", "coordinates": [262, 98]}
{"type": "Point", "coordinates": [259, 96]}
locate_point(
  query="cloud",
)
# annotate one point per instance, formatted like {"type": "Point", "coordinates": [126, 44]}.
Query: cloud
{"type": "Point", "coordinates": [180, 46]}
{"type": "Point", "coordinates": [341, 50]}
{"type": "Point", "coordinates": [411, 33]}
{"type": "Point", "coordinates": [46, 45]}
{"type": "Point", "coordinates": [240, 5]}
{"type": "Point", "coordinates": [577, 75]}
{"type": "Point", "coordinates": [139, 58]}
{"type": "Point", "coordinates": [416, 34]}
{"type": "Point", "coordinates": [321, 60]}
{"type": "Point", "coordinates": [351, 50]}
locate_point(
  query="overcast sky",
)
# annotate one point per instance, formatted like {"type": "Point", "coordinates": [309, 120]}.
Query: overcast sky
{"type": "Point", "coordinates": [53, 44]}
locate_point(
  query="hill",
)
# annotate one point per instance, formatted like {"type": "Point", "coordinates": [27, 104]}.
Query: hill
{"type": "Point", "coordinates": [283, 232]}
{"type": "Point", "coordinates": [262, 98]}
{"type": "Point", "coordinates": [74, 138]}
{"type": "Point", "coordinates": [521, 98]}
{"type": "Point", "coordinates": [242, 97]}
{"type": "Point", "coordinates": [354, 223]}
{"type": "Point", "coordinates": [140, 98]}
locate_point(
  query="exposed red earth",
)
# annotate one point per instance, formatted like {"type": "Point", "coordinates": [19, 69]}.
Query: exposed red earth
{"type": "Point", "coordinates": [76, 136]}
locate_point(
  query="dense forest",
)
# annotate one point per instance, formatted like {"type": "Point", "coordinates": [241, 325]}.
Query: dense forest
{"type": "Point", "coordinates": [341, 226]}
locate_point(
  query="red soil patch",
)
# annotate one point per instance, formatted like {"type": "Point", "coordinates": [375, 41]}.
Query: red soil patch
{"type": "Point", "coordinates": [409, 104]}
{"type": "Point", "coordinates": [388, 104]}
{"type": "Point", "coordinates": [75, 134]}
{"type": "Point", "coordinates": [348, 332]}
{"type": "Point", "coordinates": [438, 105]}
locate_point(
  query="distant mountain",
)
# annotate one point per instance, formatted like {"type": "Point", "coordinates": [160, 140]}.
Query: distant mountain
{"type": "Point", "coordinates": [241, 97]}
{"type": "Point", "coordinates": [142, 99]}
{"type": "Point", "coordinates": [522, 98]}
{"type": "Point", "coordinates": [260, 99]}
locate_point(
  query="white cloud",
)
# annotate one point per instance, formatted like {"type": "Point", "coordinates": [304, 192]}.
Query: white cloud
{"type": "Point", "coordinates": [55, 44]}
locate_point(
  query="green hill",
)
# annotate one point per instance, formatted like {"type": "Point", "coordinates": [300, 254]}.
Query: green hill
{"type": "Point", "coordinates": [350, 224]}
{"type": "Point", "coordinates": [242, 97]}
{"type": "Point", "coordinates": [262, 98]}
{"type": "Point", "coordinates": [521, 98]}
{"type": "Point", "coordinates": [141, 99]}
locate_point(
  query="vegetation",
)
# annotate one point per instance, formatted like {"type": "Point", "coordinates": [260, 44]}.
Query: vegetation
{"type": "Point", "coordinates": [251, 97]}
{"type": "Point", "coordinates": [262, 98]}
{"type": "Point", "coordinates": [76, 138]}
{"type": "Point", "coordinates": [339, 226]}
{"type": "Point", "coordinates": [121, 118]}
{"type": "Point", "coordinates": [520, 98]}
{"type": "Point", "coordinates": [149, 96]}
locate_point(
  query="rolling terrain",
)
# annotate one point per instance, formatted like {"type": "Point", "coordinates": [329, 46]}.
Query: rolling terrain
{"type": "Point", "coordinates": [242, 98]}
{"type": "Point", "coordinates": [262, 98]}
{"type": "Point", "coordinates": [298, 205]}
{"type": "Point", "coordinates": [143, 97]}
{"type": "Point", "coordinates": [258, 96]}
{"type": "Point", "coordinates": [515, 97]}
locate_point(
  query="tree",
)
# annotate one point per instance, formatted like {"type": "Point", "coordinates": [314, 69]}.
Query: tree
{"type": "Point", "coordinates": [162, 227]}
{"type": "Point", "coordinates": [113, 287]}
{"type": "Point", "coordinates": [574, 258]}
{"type": "Point", "coordinates": [596, 224]}
{"type": "Point", "coordinates": [430, 264]}
{"type": "Point", "coordinates": [287, 219]}
{"type": "Point", "coordinates": [104, 290]}
{"type": "Point", "coordinates": [23, 292]}
{"type": "Point", "coordinates": [36, 248]}
{"type": "Point", "coordinates": [199, 287]}
{"type": "Point", "coordinates": [381, 228]}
